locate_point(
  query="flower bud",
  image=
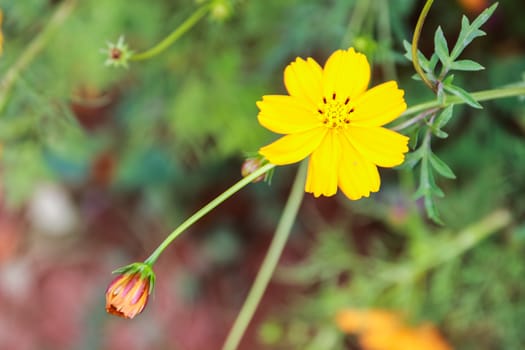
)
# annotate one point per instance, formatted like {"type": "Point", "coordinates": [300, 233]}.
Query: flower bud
{"type": "Point", "coordinates": [127, 295]}
{"type": "Point", "coordinates": [118, 54]}
{"type": "Point", "coordinates": [250, 165]}
{"type": "Point", "coordinates": [221, 10]}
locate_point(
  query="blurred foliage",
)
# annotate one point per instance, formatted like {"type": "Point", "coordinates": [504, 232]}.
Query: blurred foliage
{"type": "Point", "coordinates": [173, 126]}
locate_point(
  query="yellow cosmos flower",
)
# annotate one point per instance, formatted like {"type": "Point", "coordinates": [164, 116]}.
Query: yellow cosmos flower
{"type": "Point", "coordinates": [331, 117]}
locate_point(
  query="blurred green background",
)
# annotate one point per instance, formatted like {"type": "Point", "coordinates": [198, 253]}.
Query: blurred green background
{"type": "Point", "coordinates": [98, 164]}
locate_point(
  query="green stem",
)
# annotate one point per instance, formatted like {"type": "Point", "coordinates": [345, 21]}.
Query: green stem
{"type": "Point", "coordinates": [462, 242]}
{"type": "Point", "coordinates": [415, 42]}
{"type": "Point", "coordinates": [469, 237]}
{"type": "Point", "coordinates": [270, 262]}
{"type": "Point", "coordinates": [176, 34]}
{"type": "Point", "coordinates": [33, 49]}
{"type": "Point", "coordinates": [355, 23]}
{"type": "Point", "coordinates": [205, 210]}
{"type": "Point", "coordinates": [417, 118]}
{"type": "Point", "coordinates": [484, 95]}
{"type": "Point", "coordinates": [385, 36]}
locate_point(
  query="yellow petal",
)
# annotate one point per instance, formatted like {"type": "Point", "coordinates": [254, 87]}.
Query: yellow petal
{"type": "Point", "coordinates": [286, 114]}
{"type": "Point", "coordinates": [381, 146]}
{"type": "Point", "coordinates": [302, 79]}
{"type": "Point", "coordinates": [294, 147]}
{"type": "Point", "coordinates": [323, 167]}
{"type": "Point", "coordinates": [346, 73]}
{"type": "Point", "coordinates": [357, 175]}
{"type": "Point", "coordinates": [379, 105]}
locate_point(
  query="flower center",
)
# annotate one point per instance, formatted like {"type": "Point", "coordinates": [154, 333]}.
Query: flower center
{"type": "Point", "coordinates": [334, 112]}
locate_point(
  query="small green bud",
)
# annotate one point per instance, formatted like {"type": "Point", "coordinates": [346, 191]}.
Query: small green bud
{"type": "Point", "coordinates": [221, 10]}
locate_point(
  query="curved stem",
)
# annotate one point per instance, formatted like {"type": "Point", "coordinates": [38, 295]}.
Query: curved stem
{"type": "Point", "coordinates": [415, 42]}
{"type": "Point", "coordinates": [205, 210]}
{"type": "Point", "coordinates": [176, 34]}
{"type": "Point", "coordinates": [270, 262]}
{"type": "Point", "coordinates": [33, 49]}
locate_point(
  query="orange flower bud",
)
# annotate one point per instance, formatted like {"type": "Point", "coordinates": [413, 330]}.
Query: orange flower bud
{"type": "Point", "coordinates": [127, 295]}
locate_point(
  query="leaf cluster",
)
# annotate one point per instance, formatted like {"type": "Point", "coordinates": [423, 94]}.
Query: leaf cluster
{"type": "Point", "coordinates": [444, 60]}
{"type": "Point", "coordinates": [437, 70]}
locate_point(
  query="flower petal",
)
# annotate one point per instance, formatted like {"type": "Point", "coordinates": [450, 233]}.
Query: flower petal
{"type": "Point", "coordinates": [346, 73]}
{"type": "Point", "coordinates": [379, 105]}
{"type": "Point", "coordinates": [286, 114]}
{"type": "Point", "coordinates": [381, 146]}
{"type": "Point", "coordinates": [323, 166]}
{"type": "Point", "coordinates": [302, 78]}
{"type": "Point", "coordinates": [357, 175]}
{"type": "Point", "coordinates": [294, 147]}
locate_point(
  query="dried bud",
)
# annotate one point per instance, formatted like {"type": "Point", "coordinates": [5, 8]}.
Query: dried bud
{"type": "Point", "coordinates": [127, 295]}
{"type": "Point", "coordinates": [117, 54]}
{"type": "Point", "coordinates": [250, 165]}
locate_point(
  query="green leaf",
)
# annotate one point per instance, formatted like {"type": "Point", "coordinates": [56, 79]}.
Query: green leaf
{"type": "Point", "coordinates": [448, 80]}
{"type": "Point", "coordinates": [425, 188]}
{"type": "Point", "coordinates": [413, 158]}
{"type": "Point", "coordinates": [433, 62]}
{"type": "Point", "coordinates": [484, 16]}
{"type": "Point", "coordinates": [423, 61]}
{"type": "Point", "coordinates": [441, 167]}
{"type": "Point", "coordinates": [462, 94]}
{"type": "Point", "coordinates": [427, 185]}
{"type": "Point", "coordinates": [408, 50]}
{"type": "Point", "coordinates": [439, 133]}
{"type": "Point", "coordinates": [414, 136]}
{"type": "Point", "coordinates": [444, 117]}
{"type": "Point", "coordinates": [421, 192]}
{"type": "Point", "coordinates": [432, 212]}
{"type": "Point", "coordinates": [436, 191]}
{"type": "Point", "coordinates": [441, 47]}
{"type": "Point", "coordinates": [466, 65]}
{"type": "Point", "coordinates": [471, 31]}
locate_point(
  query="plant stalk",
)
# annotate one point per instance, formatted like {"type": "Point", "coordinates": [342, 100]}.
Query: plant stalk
{"type": "Point", "coordinates": [479, 96]}
{"type": "Point", "coordinates": [415, 42]}
{"type": "Point", "coordinates": [205, 210]}
{"type": "Point", "coordinates": [173, 36]}
{"type": "Point", "coordinates": [270, 261]}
